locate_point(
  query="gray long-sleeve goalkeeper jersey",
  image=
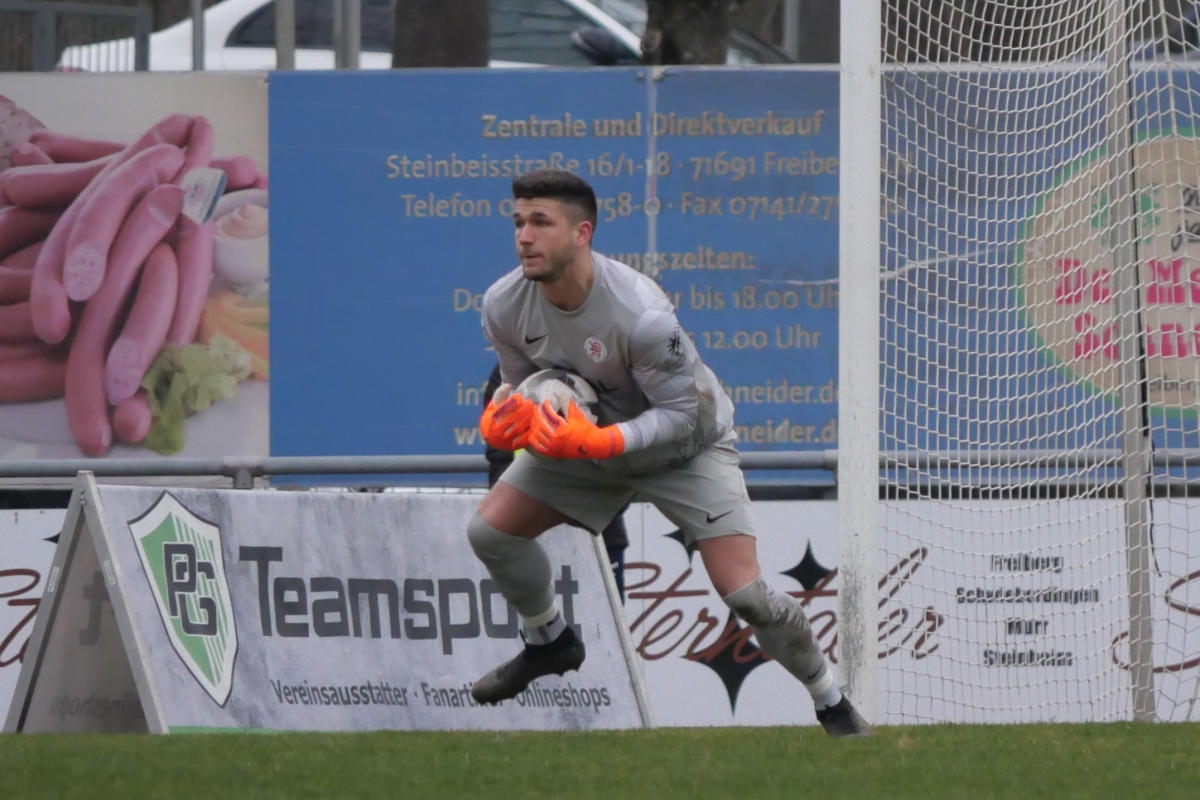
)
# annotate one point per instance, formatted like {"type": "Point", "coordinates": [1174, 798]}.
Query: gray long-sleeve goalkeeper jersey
{"type": "Point", "coordinates": [627, 342]}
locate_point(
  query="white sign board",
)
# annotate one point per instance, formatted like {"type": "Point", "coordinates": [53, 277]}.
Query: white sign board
{"type": "Point", "coordinates": [1000, 624]}
{"type": "Point", "coordinates": [986, 615]}
{"type": "Point", "coordinates": [301, 611]}
{"type": "Point", "coordinates": [27, 541]}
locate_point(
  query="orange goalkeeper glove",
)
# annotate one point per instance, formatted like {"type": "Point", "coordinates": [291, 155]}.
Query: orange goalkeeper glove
{"type": "Point", "coordinates": [506, 420]}
{"type": "Point", "coordinates": [573, 437]}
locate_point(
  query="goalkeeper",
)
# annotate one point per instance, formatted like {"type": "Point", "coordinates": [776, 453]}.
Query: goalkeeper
{"type": "Point", "coordinates": [665, 433]}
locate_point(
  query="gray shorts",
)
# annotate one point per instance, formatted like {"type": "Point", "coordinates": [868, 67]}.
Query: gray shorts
{"type": "Point", "coordinates": [705, 496]}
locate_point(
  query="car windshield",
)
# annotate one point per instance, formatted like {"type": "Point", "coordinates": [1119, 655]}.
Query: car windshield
{"type": "Point", "coordinates": [743, 48]}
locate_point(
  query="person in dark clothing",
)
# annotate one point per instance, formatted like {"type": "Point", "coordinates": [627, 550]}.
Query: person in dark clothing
{"type": "Point", "coordinates": [616, 538]}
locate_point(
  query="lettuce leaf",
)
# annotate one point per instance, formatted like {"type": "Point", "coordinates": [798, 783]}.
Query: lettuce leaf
{"type": "Point", "coordinates": [186, 379]}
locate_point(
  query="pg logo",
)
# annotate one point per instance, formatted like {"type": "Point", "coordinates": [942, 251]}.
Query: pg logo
{"type": "Point", "coordinates": [184, 572]}
{"type": "Point", "coordinates": [183, 562]}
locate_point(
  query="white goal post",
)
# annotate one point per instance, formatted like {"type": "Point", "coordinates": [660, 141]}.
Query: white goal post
{"type": "Point", "coordinates": [1020, 429]}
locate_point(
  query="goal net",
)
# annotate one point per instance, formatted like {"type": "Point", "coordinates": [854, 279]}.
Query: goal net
{"type": "Point", "coordinates": [1038, 360]}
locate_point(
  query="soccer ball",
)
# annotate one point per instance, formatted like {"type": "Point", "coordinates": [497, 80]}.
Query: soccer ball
{"type": "Point", "coordinates": [559, 386]}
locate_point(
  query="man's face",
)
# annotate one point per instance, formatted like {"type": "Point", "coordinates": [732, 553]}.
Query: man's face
{"type": "Point", "coordinates": [548, 237]}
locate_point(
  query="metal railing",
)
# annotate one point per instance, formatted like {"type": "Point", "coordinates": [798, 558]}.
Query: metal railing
{"type": "Point", "coordinates": [243, 470]}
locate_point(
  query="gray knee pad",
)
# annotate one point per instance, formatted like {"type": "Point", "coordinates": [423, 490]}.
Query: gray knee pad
{"type": "Point", "coordinates": [756, 603]}
{"type": "Point", "coordinates": [519, 567]}
{"type": "Point", "coordinates": [781, 627]}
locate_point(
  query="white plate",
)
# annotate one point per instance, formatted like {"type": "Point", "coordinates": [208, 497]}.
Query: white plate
{"type": "Point", "coordinates": [235, 427]}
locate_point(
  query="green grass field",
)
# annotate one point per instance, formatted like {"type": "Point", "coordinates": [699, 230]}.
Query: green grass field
{"type": "Point", "coordinates": [1027, 761]}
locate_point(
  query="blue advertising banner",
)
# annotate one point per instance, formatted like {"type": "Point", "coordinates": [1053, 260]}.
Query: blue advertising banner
{"type": "Point", "coordinates": [752, 194]}
{"type": "Point", "coordinates": [392, 216]}
{"type": "Point", "coordinates": [1000, 323]}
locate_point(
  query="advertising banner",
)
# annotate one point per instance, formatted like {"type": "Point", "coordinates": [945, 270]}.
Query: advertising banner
{"type": "Point", "coordinates": [998, 250]}
{"type": "Point", "coordinates": [393, 215]}
{"type": "Point", "coordinates": [133, 266]}
{"type": "Point", "coordinates": [1031, 626]}
{"type": "Point", "coordinates": [301, 611]}
{"type": "Point", "coordinates": [1025, 625]}
{"type": "Point", "coordinates": [27, 542]}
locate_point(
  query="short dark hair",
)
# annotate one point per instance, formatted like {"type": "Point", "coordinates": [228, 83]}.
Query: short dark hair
{"type": "Point", "coordinates": [557, 184]}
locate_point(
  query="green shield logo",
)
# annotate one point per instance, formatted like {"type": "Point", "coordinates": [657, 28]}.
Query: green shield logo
{"type": "Point", "coordinates": [182, 558]}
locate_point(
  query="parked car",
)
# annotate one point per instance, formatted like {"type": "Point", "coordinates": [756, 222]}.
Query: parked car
{"type": "Point", "coordinates": [240, 35]}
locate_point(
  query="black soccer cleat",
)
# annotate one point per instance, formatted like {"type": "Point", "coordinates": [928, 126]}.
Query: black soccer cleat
{"type": "Point", "coordinates": [512, 677]}
{"type": "Point", "coordinates": [841, 721]}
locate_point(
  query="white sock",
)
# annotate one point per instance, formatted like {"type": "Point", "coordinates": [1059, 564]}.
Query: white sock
{"type": "Point", "coordinates": [545, 627]}
{"type": "Point", "coordinates": [824, 690]}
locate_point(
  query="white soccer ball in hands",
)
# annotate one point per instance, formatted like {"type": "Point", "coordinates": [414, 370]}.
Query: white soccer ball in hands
{"type": "Point", "coordinates": [560, 386]}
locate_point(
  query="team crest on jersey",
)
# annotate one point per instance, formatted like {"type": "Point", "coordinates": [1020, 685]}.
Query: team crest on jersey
{"type": "Point", "coordinates": [595, 349]}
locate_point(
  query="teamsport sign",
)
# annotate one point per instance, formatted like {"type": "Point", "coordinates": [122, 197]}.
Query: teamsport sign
{"type": "Point", "coordinates": [300, 611]}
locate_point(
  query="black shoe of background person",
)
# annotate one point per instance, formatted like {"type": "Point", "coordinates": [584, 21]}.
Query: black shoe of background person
{"type": "Point", "coordinates": [512, 677]}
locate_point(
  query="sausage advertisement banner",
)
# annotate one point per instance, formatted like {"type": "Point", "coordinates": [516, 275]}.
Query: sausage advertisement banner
{"type": "Point", "coordinates": [134, 266]}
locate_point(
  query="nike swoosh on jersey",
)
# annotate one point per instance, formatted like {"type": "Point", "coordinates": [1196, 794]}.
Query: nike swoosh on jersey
{"type": "Point", "coordinates": [532, 339]}
{"type": "Point", "coordinates": [711, 519]}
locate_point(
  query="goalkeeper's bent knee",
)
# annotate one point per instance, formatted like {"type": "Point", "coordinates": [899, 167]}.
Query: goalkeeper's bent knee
{"type": "Point", "coordinates": [519, 567]}
{"type": "Point", "coordinates": [753, 603]}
